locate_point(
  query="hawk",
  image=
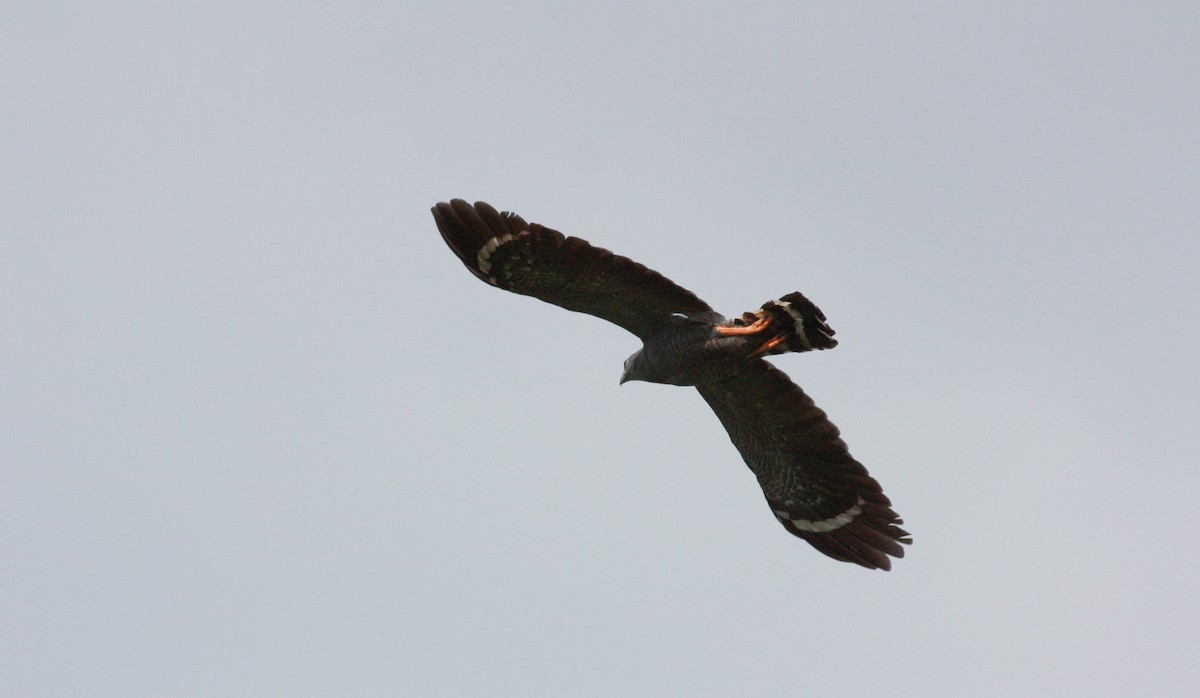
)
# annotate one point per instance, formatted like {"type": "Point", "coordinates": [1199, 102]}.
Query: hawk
{"type": "Point", "coordinates": [814, 487]}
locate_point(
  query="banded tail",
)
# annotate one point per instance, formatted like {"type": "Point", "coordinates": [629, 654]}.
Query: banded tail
{"type": "Point", "coordinates": [791, 324]}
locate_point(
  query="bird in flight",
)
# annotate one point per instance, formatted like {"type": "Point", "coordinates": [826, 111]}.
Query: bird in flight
{"type": "Point", "coordinates": [813, 486]}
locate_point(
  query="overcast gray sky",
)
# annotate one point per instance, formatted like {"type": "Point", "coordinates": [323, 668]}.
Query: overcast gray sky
{"type": "Point", "coordinates": [264, 435]}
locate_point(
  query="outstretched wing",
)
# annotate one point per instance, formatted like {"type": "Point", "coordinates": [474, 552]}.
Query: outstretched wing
{"type": "Point", "coordinates": [508, 253]}
{"type": "Point", "coordinates": [813, 485]}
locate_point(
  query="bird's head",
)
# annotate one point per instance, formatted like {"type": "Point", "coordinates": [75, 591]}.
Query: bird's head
{"type": "Point", "coordinates": [633, 368]}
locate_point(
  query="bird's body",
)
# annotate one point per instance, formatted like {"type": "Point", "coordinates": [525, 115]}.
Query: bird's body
{"type": "Point", "coordinates": [692, 353]}
{"type": "Point", "coordinates": [705, 348]}
{"type": "Point", "coordinates": [812, 484]}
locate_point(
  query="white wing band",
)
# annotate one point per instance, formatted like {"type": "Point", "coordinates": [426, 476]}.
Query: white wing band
{"type": "Point", "coordinates": [485, 252]}
{"type": "Point", "coordinates": [825, 525]}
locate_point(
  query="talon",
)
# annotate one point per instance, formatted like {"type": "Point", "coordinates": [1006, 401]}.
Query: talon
{"type": "Point", "coordinates": [758, 326]}
{"type": "Point", "coordinates": [769, 345]}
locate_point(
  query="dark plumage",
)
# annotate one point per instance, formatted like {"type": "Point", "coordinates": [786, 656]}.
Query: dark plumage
{"type": "Point", "coordinates": [815, 488]}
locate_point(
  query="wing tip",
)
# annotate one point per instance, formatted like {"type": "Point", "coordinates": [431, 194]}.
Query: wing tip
{"type": "Point", "coordinates": [868, 534]}
{"type": "Point", "coordinates": [864, 543]}
{"type": "Point", "coordinates": [467, 229]}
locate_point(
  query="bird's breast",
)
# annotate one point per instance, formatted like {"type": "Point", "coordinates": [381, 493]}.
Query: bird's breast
{"type": "Point", "coordinates": [694, 355]}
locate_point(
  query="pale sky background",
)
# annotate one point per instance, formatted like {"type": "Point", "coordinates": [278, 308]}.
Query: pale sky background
{"type": "Point", "coordinates": [263, 435]}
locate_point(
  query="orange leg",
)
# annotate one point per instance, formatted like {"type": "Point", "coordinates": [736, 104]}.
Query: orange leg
{"type": "Point", "coordinates": [769, 345]}
{"type": "Point", "coordinates": [758, 326]}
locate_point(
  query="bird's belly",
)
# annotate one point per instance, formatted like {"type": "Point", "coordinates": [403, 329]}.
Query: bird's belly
{"type": "Point", "coordinates": [700, 363]}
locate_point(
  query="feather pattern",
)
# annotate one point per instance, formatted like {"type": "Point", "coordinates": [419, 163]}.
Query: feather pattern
{"type": "Point", "coordinates": [816, 489]}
